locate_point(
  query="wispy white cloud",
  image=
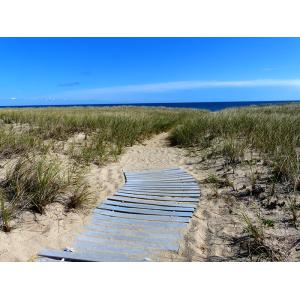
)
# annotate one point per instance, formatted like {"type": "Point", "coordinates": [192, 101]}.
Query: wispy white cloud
{"type": "Point", "coordinates": [13, 98]}
{"type": "Point", "coordinates": [179, 85]}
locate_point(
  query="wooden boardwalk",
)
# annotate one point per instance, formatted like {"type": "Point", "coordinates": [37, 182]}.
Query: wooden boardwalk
{"type": "Point", "coordinates": [144, 217]}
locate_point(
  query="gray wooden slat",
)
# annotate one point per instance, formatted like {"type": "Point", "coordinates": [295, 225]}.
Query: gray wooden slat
{"type": "Point", "coordinates": [150, 239]}
{"type": "Point", "coordinates": [175, 173]}
{"type": "Point", "coordinates": [162, 244]}
{"type": "Point", "coordinates": [157, 187]}
{"type": "Point", "coordinates": [115, 222]}
{"type": "Point", "coordinates": [141, 217]}
{"type": "Point", "coordinates": [88, 245]}
{"type": "Point", "coordinates": [157, 170]}
{"type": "Point", "coordinates": [162, 180]}
{"type": "Point", "coordinates": [154, 197]}
{"type": "Point", "coordinates": [178, 172]}
{"type": "Point", "coordinates": [46, 259]}
{"type": "Point", "coordinates": [158, 179]}
{"type": "Point", "coordinates": [145, 211]}
{"type": "Point", "coordinates": [168, 189]}
{"type": "Point", "coordinates": [143, 225]}
{"type": "Point", "coordinates": [126, 227]}
{"type": "Point", "coordinates": [162, 194]}
{"type": "Point", "coordinates": [192, 194]}
{"type": "Point", "coordinates": [152, 202]}
{"type": "Point", "coordinates": [99, 219]}
{"type": "Point", "coordinates": [159, 175]}
{"type": "Point", "coordinates": [83, 257]}
{"type": "Point", "coordinates": [149, 206]}
{"type": "Point", "coordinates": [163, 187]}
{"type": "Point", "coordinates": [164, 169]}
{"type": "Point", "coordinates": [162, 184]}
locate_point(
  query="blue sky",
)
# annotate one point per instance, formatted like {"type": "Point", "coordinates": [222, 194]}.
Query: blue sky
{"type": "Point", "coordinates": [128, 70]}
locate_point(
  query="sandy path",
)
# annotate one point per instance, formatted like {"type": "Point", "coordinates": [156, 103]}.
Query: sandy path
{"type": "Point", "coordinates": [152, 154]}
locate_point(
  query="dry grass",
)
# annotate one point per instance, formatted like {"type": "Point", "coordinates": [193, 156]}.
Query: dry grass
{"type": "Point", "coordinates": [35, 182]}
{"type": "Point", "coordinates": [272, 130]}
{"type": "Point", "coordinates": [108, 130]}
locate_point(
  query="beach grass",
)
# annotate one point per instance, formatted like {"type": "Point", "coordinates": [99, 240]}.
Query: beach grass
{"type": "Point", "coordinates": [274, 131]}
{"type": "Point", "coordinates": [107, 130]}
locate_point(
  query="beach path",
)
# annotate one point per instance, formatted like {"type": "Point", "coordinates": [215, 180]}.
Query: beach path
{"type": "Point", "coordinates": [145, 217]}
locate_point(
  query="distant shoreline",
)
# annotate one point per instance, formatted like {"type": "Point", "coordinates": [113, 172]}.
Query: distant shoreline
{"type": "Point", "coordinates": [212, 106]}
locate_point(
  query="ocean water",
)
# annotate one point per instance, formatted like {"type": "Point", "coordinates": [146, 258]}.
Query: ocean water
{"type": "Point", "coordinates": [213, 106]}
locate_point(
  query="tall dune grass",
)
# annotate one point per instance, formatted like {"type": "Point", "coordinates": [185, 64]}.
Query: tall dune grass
{"type": "Point", "coordinates": [108, 130]}
{"type": "Point", "coordinates": [32, 183]}
{"type": "Point", "coordinates": [272, 130]}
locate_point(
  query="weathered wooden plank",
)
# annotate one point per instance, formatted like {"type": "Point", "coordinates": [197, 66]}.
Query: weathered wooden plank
{"type": "Point", "coordinates": [148, 206]}
{"type": "Point", "coordinates": [127, 227]}
{"type": "Point", "coordinates": [111, 221]}
{"type": "Point", "coordinates": [145, 211]}
{"type": "Point", "coordinates": [123, 236]}
{"type": "Point", "coordinates": [155, 170]}
{"type": "Point", "coordinates": [162, 194]}
{"type": "Point", "coordinates": [167, 184]}
{"type": "Point", "coordinates": [178, 172]}
{"type": "Point", "coordinates": [152, 202]}
{"type": "Point", "coordinates": [47, 259]}
{"type": "Point", "coordinates": [154, 197]}
{"type": "Point", "coordinates": [165, 180]}
{"type": "Point", "coordinates": [160, 176]}
{"type": "Point", "coordinates": [134, 232]}
{"type": "Point", "coordinates": [157, 187]}
{"type": "Point", "coordinates": [87, 245]}
{"type": "Point", "coordinates": [177, 192]}
{"type": "Point", "coordinates": [134, 229]}
{"type": "Point", "coordinates": [141, 217]}
{"type": "Point", "coordinates": [107, 226]}
{"type": "Point", "coordinates": [162, 244]}
{"type": "Point", "coordinates": [164, 189]}
{"type": "Point", "coordinates": [159, 179]}
{"type": "Point", "coordinates": [103, 220]}
{"type": "Point", "coordinates": [175, 172]}
{"type": "Point", "coordinates": [83, 257]}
